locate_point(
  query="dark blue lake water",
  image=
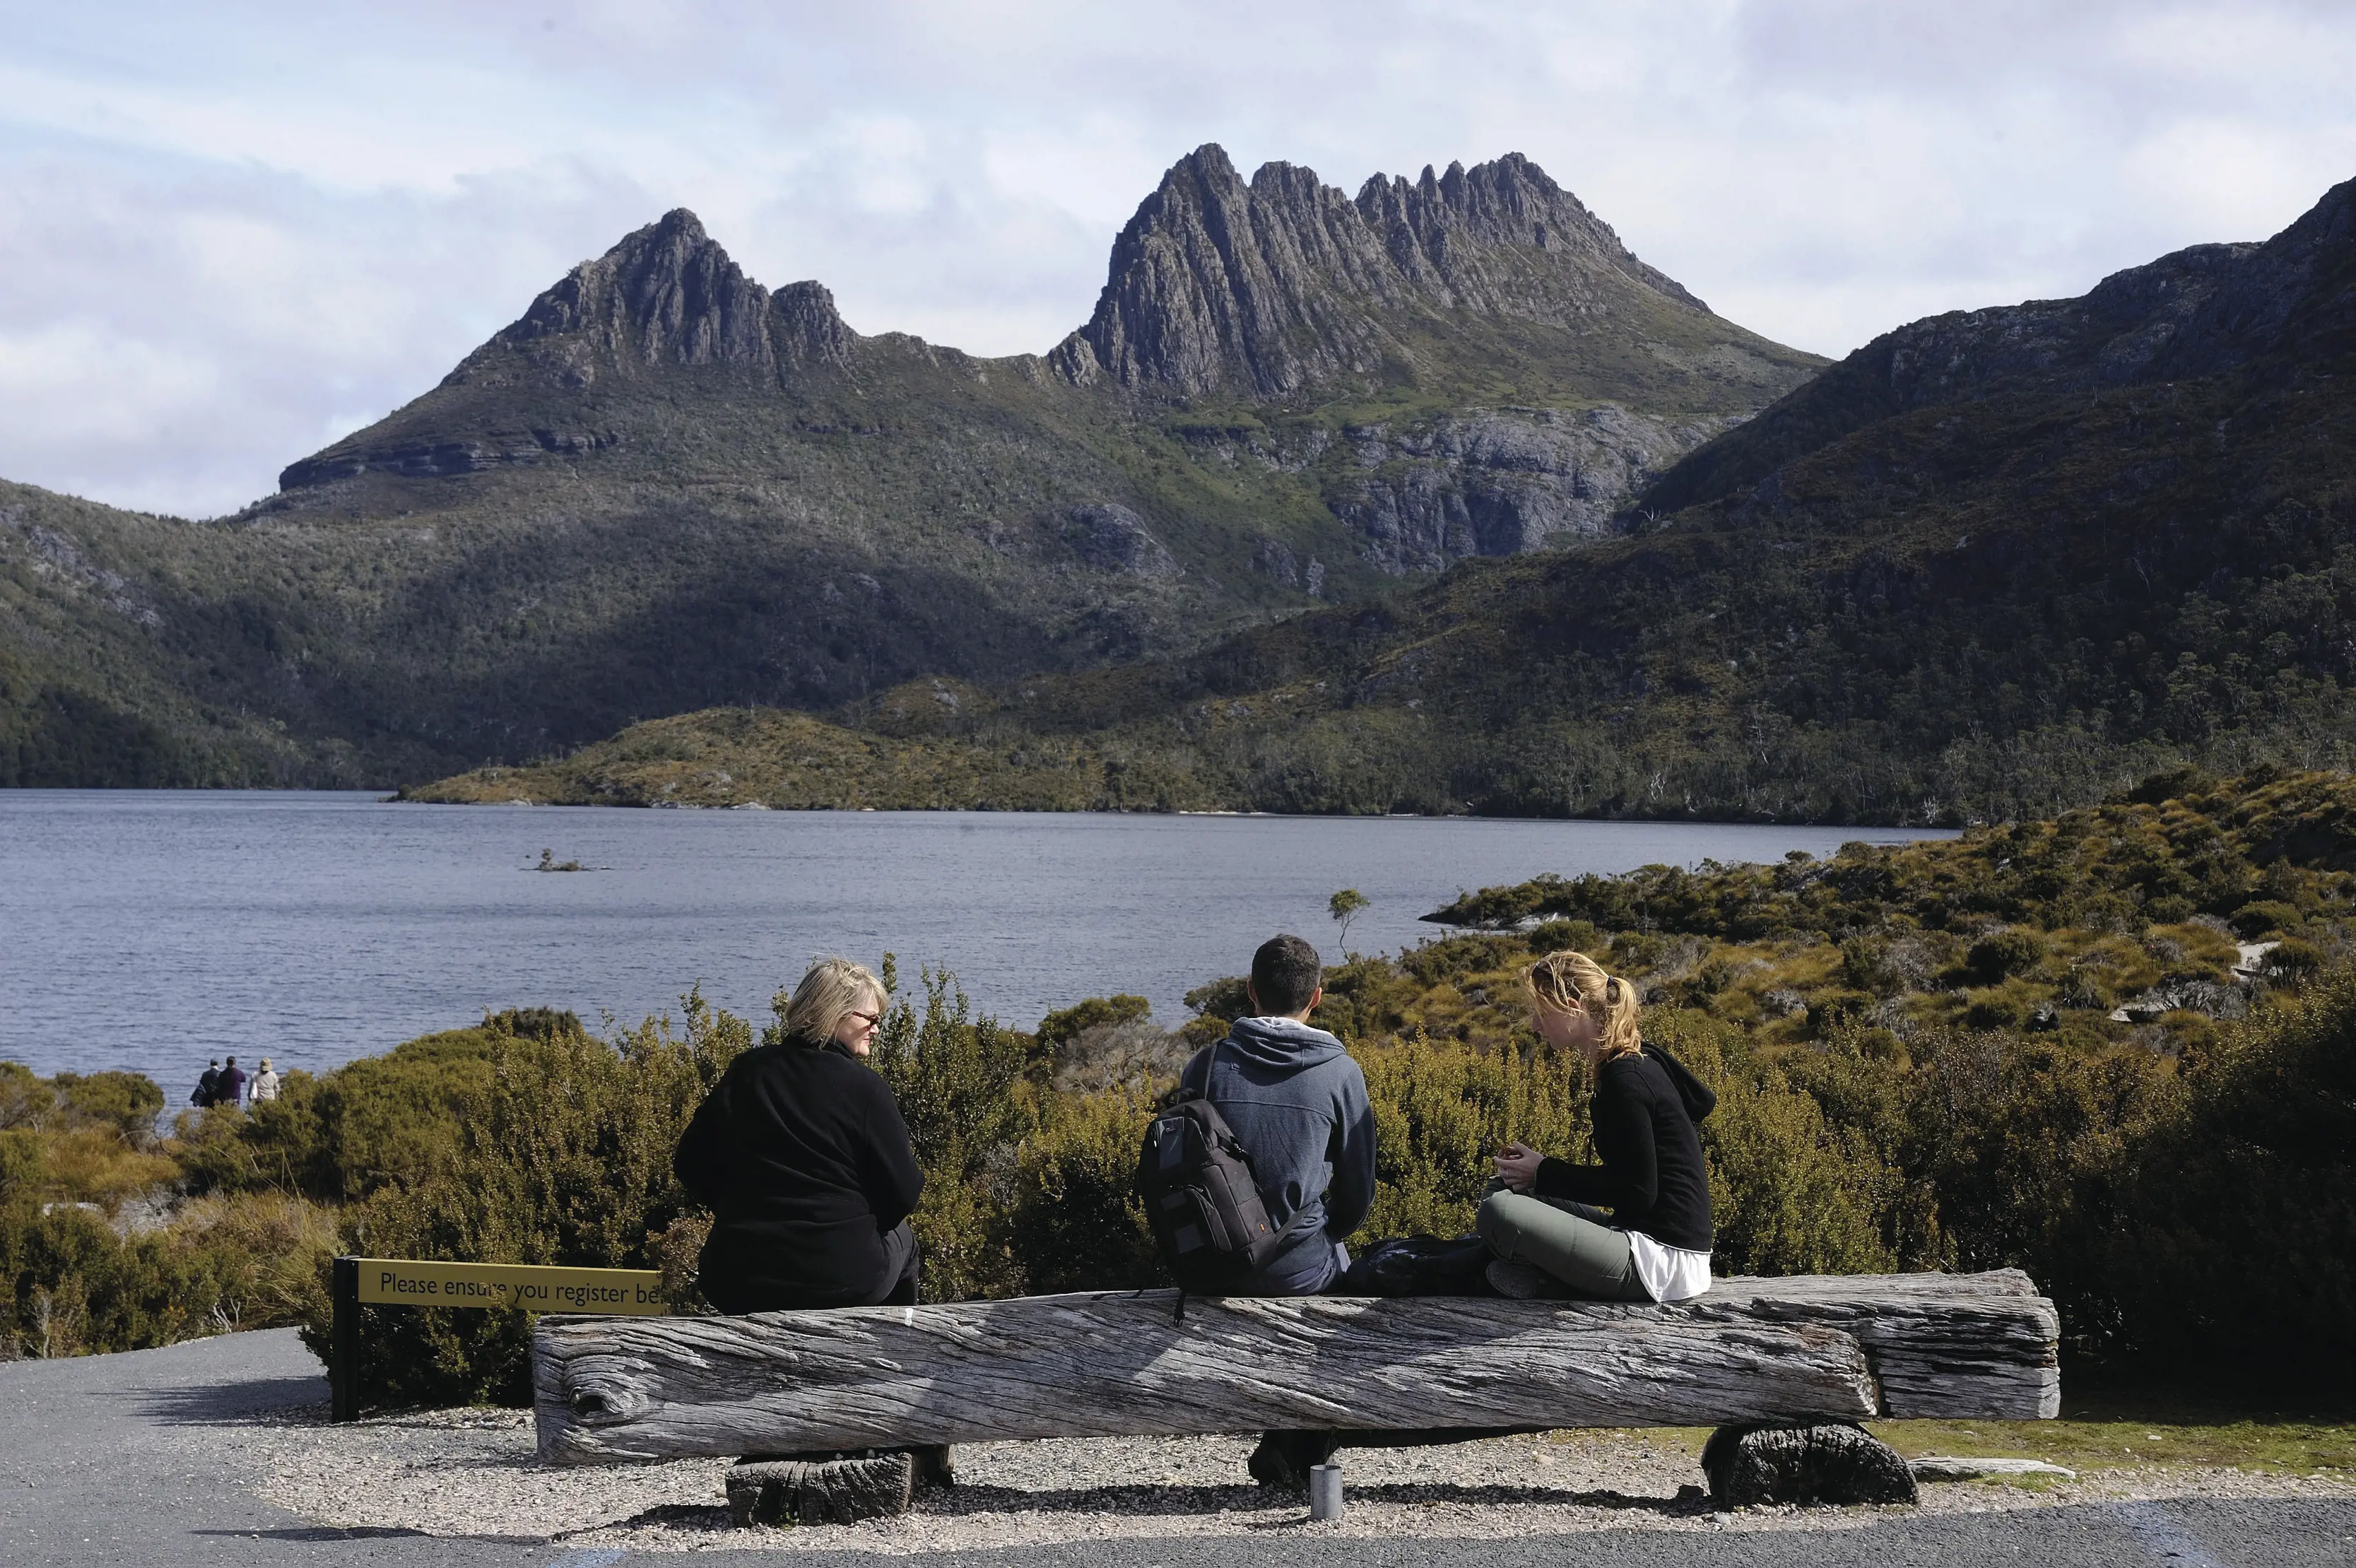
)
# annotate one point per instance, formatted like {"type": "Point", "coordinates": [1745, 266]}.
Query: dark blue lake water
{"type": "Point", "coordinates": [150, 930]}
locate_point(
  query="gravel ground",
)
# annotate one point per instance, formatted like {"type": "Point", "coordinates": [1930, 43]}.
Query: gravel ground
{"type": "Point", "coordinates": [469, 1472]}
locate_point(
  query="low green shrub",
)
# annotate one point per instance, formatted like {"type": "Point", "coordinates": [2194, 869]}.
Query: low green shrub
{"type": "Point", "coordinates": [2234, 1234]}
{"type": "Point", "coordinates": [2262, 917]}
{"type": "Point", "coordinates": [1224, 998]}
{"type": "Point", "coordinates": [1061, 1028]}
{"type": "Point", "coordinates": [1993, 959]}
{"type": "Point", "coordinates": [2292, 962]}
{"type": "Point", "coordinates": [1076, 1222]}
{"type": "Point", "coordinates": [966, 1092]}
{"type": "Point", "coordinates": [1441, 1115]}
{"type": "Point", "coordinates": [124, 1103]}
{"type": "Point", "coordinates": [565, 1158]}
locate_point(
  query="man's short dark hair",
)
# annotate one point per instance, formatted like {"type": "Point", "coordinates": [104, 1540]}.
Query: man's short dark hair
{"type": "Point", "coordinates": [1285, 974]}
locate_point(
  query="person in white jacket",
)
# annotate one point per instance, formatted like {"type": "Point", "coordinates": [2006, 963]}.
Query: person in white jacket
{"type": "Point", "coordinates": [264, 1085]}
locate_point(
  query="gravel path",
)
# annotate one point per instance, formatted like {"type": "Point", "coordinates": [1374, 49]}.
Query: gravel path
{"type": "Point", "coordinates": [470, 1472]}
{"type": "Point", "coordinates": [218, 1454]}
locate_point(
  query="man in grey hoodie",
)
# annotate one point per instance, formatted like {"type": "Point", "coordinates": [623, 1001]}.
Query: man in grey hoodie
{"type": "Point", "coordinates": [1298, 1104]}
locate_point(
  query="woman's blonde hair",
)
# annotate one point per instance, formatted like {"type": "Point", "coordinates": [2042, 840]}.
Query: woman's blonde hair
{"type": "Point", "coordinates": [1572, 982]}
{"type": "Point", "coordinates": [832, 990]}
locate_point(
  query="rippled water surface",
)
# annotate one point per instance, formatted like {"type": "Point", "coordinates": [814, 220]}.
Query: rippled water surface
{"type": "Point", "coordinates": [150, 930]}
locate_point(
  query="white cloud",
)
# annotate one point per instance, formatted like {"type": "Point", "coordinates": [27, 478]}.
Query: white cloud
{"type": "Point", "coordinates": [232, 231]}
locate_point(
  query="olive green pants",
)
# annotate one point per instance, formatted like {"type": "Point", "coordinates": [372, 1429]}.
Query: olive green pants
{"type": "Point", "coordinates": [1571, 1242]}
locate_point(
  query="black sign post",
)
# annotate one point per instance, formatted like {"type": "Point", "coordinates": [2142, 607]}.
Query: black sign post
{"type": "Point", "coordinates": [344, 1345]}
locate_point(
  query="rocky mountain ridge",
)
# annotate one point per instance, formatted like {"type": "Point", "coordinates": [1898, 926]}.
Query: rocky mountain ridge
{"type": "Point", "coordinates": [1277, 289]}
{"type": "Point", "coordinates": [2086, 542]}
{"type": "Point", "coordinates": [2199, 311]}
{"type": "Point", "coordinates": [665, 486]}
{"type": "Point", "coordinates": [1272, 287]}
{"type": "Point", "coordinates": [667, 295]}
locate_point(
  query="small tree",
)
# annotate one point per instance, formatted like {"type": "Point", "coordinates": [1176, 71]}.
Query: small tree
{"type": "Point", "coordinates": [1344, 907]}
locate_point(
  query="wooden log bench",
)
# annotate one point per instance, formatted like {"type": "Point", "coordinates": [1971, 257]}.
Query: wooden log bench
{"type": "Point", "coordinates": [1097, 1364]}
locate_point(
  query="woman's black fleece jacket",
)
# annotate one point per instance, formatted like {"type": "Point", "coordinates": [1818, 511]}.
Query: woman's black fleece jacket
{"type": "Point", "coordinates": [1652, 1178]}
{"type": "Point", "coordinates": [801, 1155]}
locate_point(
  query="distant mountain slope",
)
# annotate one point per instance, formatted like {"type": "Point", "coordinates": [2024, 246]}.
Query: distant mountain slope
{"type": "Point", "coordinates": [666, 486]}
{"type": "Point", "coordinates": [1992, 565]}
{"type": "Point", "coordinates": [2195, 313]}
{"type": "Point", "coordinates": [97, 674]}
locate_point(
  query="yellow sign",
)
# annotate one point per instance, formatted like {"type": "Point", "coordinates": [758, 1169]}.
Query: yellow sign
{"type": "Point", "coordinates": [407, 1282]}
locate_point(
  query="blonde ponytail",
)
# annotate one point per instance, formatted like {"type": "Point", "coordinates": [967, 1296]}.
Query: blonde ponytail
{"type": "Point", "coordinates": [1572, 982]}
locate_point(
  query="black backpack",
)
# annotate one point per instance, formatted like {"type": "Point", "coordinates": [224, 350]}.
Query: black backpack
{"type": "Point", "coordinates": [1421, 1265]}
{"type": "Point", "coordinates": [1196, 1178]}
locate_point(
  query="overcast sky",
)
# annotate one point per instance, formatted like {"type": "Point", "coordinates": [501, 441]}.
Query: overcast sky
{"type": "Point", "coordinates": [231, 233]}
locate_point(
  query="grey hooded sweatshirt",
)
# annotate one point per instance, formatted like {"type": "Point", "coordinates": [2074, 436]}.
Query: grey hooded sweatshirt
{"type": "Point", "coordinates": [1299, 1104]}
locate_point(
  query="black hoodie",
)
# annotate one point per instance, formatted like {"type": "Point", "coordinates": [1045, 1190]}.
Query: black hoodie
{"type": "Point", "coordinates": [1651, 1179]}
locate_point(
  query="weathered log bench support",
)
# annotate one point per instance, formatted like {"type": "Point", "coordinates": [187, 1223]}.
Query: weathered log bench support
{"type": "Point", "coordinates": [1978, 1347]}
{"type": "Point", "coordinates": [832, 1488]}
{"type": "Point", "coordinates": [1112, 1363]}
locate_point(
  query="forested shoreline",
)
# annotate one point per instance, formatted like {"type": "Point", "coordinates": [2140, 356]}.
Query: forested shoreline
{"type": "Point", "coordinates": [2117, 1047]}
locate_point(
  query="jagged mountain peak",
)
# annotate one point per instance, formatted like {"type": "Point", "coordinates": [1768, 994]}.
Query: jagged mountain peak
{"type": "Point", "coordinates": [662, 297]}
{"type": "Point", "coordinates": [670, 294]}
{"type": "Point", "coordinates": [1492, 277]}
{"type": "Point", "coordinates": [1284, 281]}
{"type": "Point", "coordinates": [1509, 202]}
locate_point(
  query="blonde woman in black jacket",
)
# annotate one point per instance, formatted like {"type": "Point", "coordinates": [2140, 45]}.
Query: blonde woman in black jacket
{"type": "Point", "coordinates": [1654, 1244]}
{"type": "Point", "coordinates": [801, 1154]}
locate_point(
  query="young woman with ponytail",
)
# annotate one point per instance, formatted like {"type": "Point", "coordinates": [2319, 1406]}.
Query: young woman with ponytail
{"type": "Point", "coordinates": [1655, 1243]}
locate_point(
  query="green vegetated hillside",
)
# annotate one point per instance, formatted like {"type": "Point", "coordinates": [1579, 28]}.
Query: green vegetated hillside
{"type": "Point", "coordinates": [1992, 566]}
{"type": "Point", "coordinates": [97, 687]}
{"type": "Point", "coordinates": [667, 487]}
{"type": "Point", "coordinates": [1914, 1063]}
{"type": "Point", "coordinates": [2151, 912]}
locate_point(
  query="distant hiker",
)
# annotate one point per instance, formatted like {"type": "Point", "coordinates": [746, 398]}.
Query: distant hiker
{"type": "Point", "coordinates": [208, 1086]}
{"type": "Point", "coordinates": [801, 1154]}
{"type": "Point", "coordinates": [1655, 1244]}
{"type": "Point", "coordinates": [1298, 1106]}
{"type": "Point", "coordinates": [229, 1088]}
{"type": "Point", "coordinates": [264, 1085]}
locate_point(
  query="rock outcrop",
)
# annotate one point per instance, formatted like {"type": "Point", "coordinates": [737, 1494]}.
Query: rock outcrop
{"type": "Point", "coordinates": [1109, 535]}
{"type": "Point", "coordinates": [666, 295]}
{"type": "Point", "coordinates": [1270, 287]}
{"type": "Point", "coordinates": [1422, 495]}
{"type": "Point", "coordinates": [1505, 482]}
